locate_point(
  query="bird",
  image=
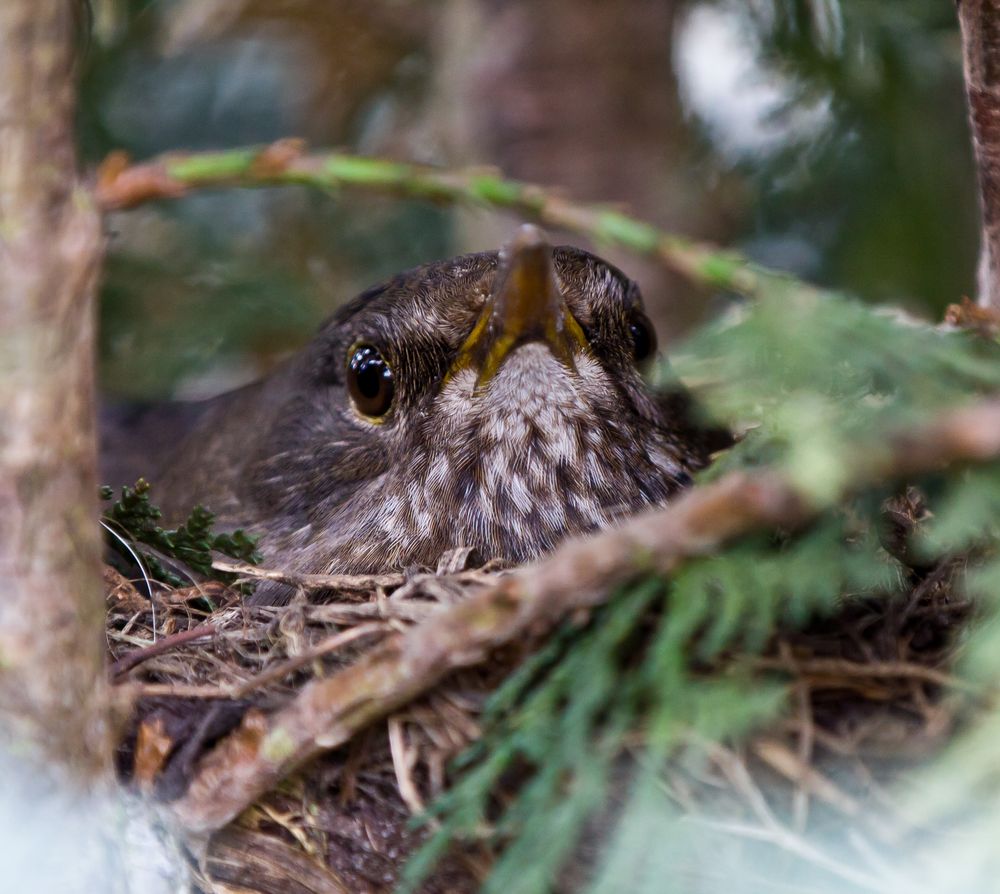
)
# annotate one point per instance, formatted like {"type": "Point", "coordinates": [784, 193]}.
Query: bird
{"type": "Point", "coordinates": [494, 401]}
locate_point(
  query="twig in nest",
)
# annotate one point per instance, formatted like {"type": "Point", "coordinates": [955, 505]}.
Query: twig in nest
{"type": "Point", "coordinates": [175, 690]}
{"type": "Point", "coordinates": [352, 612]}
{"type": "Point", "coordinates": [771, 830]}
{"type": "Point", "coordinates": [137, 656]}
{"type": "Point", "coordinates": [788, 841]}
{"type": "Point", "coordinates": [784, 761]}
{"type": "Point", "coordinates": [362, 583]}
{"type": "Point", "coordinates": [403, 760]}
{"type": "Point", "coordinates": [735, 770]}
{"type": "Point", "coordinates": [324, 647]}
{"type": "Point", "coordinates": [240, 690]}
{"type": "Point", "coordinates": [827, 670]}
{"type": "Point", "coordinates": [242, 860]}
{"type": "Point", "coordinates": [806, 740]}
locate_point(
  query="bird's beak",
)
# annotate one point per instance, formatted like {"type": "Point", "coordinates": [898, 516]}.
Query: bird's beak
{"type": "Point", "coordinates": [526, 305]}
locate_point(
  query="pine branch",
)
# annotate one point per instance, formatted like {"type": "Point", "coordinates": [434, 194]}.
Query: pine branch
{"type": "Point", "coordinates": [191, 543]}
{"type": "Point", "coordinates": [121, 184]}
{"type": "Point", "coordinates": [579, 575]}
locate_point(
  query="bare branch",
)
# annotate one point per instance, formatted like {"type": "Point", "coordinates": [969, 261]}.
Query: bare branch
{"type": "Point", "coordinates": [357, 583]}
{"type": "Point", "coordinates": [123, 185]}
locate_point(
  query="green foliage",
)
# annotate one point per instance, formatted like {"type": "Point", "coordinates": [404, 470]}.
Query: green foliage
{"type": "Point", "coordinates": [967, 513]}
{"type": "Point", "coordinates": [822, 380]}
{"type": "Point", "coordinates": [563, 719]}
{"type": "Point", "coordinates": [661, 672]}
{"type": "Point", "coordinates": [569, 734]}
{"type": "Point", "coordinates": [191, 544]}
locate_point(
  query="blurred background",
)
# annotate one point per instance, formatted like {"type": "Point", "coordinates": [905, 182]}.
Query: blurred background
{"type": "Point", "coordinates": [822, 137]}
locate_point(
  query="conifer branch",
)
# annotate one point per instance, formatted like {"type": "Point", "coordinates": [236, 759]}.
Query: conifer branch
{"type": "Point", "coordinates": [579, 575]}
{"type": "Point", "coordinates": [121, 185]}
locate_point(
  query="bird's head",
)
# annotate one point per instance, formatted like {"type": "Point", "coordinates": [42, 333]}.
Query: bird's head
{"type": "Point", "coordinates": [494, 401]}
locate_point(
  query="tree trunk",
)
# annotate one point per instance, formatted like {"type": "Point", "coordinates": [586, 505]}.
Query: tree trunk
{"type": "Point", "coordinates": [52, 694]}
{"type": "Point", "coordinates": [980, 22]}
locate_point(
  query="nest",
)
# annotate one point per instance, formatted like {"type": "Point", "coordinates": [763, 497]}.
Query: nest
{"type": "Point", "coordinates": [818, 794]}
{"type": "Point", "coordinates": [194, 663]}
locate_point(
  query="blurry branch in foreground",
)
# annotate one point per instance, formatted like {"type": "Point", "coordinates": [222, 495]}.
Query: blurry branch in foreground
{"type": "Point", "coordinates": [980, 51]}
{"type": "Point", "coordinates": [53, 697]}
{"type": "Point", "coordinates": [121, 184]}
{"type": "Point", "coordinates": [579, 575]}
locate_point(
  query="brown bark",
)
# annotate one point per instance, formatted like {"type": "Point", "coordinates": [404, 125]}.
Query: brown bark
{"type": "Point", "coordinates": [980, 23]}
{"type": "Point", "coordinates": [52, 690]}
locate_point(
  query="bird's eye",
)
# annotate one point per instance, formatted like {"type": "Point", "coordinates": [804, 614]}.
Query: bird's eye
{"type": "Point", "coordinates": [369, 381]}
{"type": "Point", "coordinates": [643, 338]}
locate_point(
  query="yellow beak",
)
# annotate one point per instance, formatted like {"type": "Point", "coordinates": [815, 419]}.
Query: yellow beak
{"type": "Point", "coordinates": [526, 305]}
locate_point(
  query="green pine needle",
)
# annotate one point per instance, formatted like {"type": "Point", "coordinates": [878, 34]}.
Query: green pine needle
{"type": "Point", "coordinates": [192, 543]}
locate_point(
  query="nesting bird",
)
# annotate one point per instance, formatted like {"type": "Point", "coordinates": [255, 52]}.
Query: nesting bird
{"type": "Point", "coordinates": [492, 401]}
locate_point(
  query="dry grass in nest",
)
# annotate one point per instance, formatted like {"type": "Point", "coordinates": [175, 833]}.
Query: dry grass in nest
{"type": "Point", "coordinates": [872, 701]}
{"type": "Point", "coordinates": [867, 691]}
{"type": "Point", "coordinates": [193, 662]}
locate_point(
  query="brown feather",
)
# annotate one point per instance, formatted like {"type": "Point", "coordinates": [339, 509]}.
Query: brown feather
{"type": "Point", "coordinates": [542, 451]}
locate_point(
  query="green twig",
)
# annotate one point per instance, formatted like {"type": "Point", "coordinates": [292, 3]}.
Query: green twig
{"type": "Point", "coordinates": [123, 185]}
